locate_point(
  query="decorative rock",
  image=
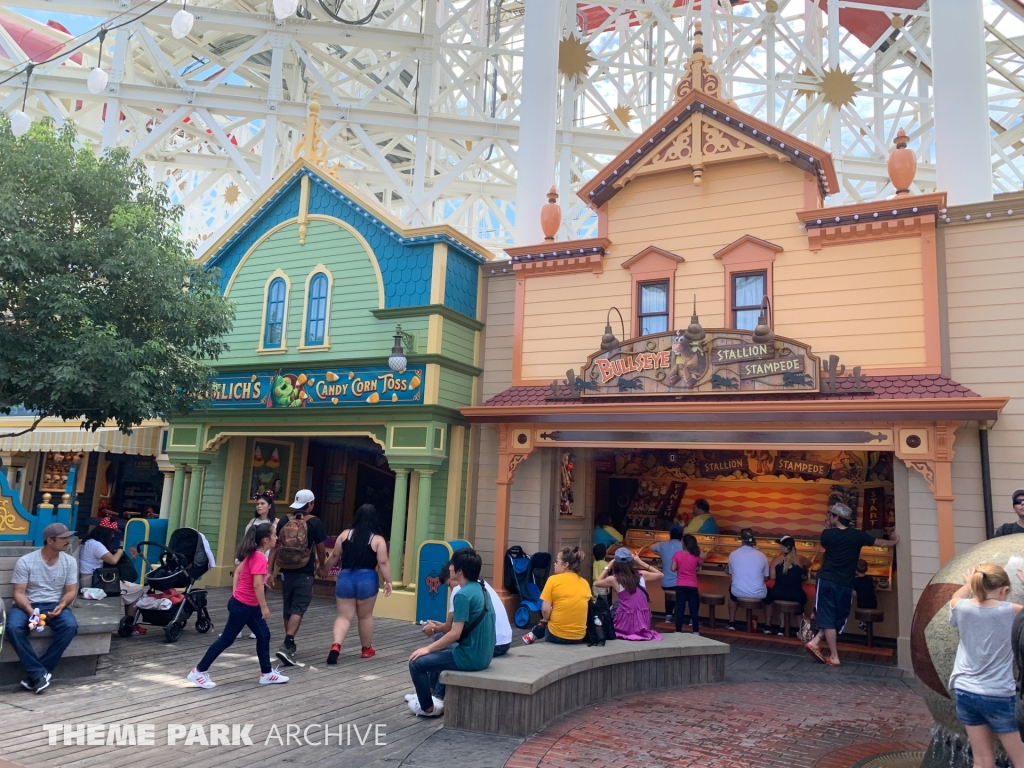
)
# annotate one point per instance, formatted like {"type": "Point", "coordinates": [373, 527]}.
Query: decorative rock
{"type": "Point", "coordinates": [933, 642]}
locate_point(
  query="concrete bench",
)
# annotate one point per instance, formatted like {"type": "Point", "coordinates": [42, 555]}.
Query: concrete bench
{"type": "Point", "coordinates": [96, 621]}
{"type": "Point", "coordinates": [531, 686]}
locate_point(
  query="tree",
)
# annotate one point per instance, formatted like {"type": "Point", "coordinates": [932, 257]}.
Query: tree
{"type": "Point", "coordinates": [104, 314]}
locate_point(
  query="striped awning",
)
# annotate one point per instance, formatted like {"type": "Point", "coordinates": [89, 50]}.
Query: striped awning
{"type": "Point", "coordinates": [143, 441]}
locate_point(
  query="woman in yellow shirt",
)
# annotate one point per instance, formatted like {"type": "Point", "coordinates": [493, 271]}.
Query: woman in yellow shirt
{"type": "Point", "coordinates": [564, 603]}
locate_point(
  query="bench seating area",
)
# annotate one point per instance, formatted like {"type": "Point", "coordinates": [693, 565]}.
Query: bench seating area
{"type": "Point", "coordinates": [531, 686]}
{"type": "Point", "coordinates": [96, 621]}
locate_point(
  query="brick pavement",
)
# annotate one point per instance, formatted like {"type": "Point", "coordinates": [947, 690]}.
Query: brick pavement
{"type": "Point", "coordinates": [831, 723]}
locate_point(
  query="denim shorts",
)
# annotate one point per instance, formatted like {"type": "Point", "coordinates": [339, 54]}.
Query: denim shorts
{"type": "Point", "coordinates": [994, 711]}
{"type": "Point", "coordinates": [361, 584]}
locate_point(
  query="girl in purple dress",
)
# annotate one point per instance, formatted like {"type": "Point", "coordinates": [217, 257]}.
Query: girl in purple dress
{"type": "Point", "coordinates": [627, 575]}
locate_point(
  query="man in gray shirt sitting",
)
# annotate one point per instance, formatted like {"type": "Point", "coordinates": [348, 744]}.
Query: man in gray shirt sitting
{"type": "Point", "coordinates": [46, 579]}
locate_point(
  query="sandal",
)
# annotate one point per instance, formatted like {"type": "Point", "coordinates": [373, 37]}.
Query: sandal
{"type": "Point", "coordinates": [815, 652]}
{"type": "Point", "coordinates": [832, 662]}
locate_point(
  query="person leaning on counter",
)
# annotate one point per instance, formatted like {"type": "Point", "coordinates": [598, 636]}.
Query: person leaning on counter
{"type": "Point", "coordinates": [702, 521]}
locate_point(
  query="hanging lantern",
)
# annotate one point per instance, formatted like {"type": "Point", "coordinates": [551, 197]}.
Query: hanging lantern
{"type": "Point", "coordinates": [97, 81]}
{"type": "Point", "coordinates": [182, 23]}
{"type": "Point", "coordinates": [20, 123]}
{"type": "Point", "coordinates": [284, 9]}
{"type": "Point", "coordinates": [397, 361]}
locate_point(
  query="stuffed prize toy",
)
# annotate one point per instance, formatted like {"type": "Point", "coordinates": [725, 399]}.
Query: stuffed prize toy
{"type": "Point", "coordinates": [37, 621]}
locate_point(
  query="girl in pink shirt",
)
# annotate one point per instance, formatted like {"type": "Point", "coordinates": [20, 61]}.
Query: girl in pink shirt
{"type": "Point", "coordinates": [247, 607]}
{"type": "Point", "coordinates": [685, 564]}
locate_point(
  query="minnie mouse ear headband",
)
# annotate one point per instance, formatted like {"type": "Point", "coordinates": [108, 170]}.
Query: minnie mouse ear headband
{"type": "Point", "coordinates": [268, 493]}
{"type": "Point", "coordinates": [108, 522]}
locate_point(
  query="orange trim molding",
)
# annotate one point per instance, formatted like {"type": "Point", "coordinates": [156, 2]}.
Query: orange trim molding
{"type": "Point", "coordinates": [560, 258]}
{"type": "Point", "coordinates": [747, 254]}
{"type": "Point", "coordinates": [868, 222]}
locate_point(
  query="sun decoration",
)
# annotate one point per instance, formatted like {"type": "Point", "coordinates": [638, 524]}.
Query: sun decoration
{"type": "Point", "coordinates": [809, 76]}
{"type": "Point", "coordinates": [231, 194]}
{"type": "Point", "coordinates": [574, 57]}
{"type": "Point", "coordinates": [625, 114]}
{"type": "Point", "coordinates": [838, 87]}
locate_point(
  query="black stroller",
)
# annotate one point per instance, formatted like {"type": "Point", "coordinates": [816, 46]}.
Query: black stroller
{"type": "Point", "coordinates": [181, 563]}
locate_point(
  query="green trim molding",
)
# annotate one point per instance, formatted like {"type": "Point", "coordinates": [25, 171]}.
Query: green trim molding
{"type": "Point", "coordinates": [425, 310]}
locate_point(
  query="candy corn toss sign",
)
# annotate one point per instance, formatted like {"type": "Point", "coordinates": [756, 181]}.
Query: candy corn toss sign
{"type": "Point", "coordinates": [318, 389]}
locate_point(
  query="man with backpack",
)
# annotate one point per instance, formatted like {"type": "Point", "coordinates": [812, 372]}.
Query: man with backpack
{"type": "Point", "coordinates": [472, 630]}
{"type": "Point", "coordinates": [298, 538]}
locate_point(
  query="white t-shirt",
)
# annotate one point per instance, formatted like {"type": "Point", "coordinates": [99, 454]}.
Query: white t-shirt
{"type": "Point", "coordinates": [749, 569]}
{"type": "Point", "coordinates": [502, 628]}
{"type": "Point", "coordinates": [619, 587]}
{"type": "Point", "coordinates": [90, 557]}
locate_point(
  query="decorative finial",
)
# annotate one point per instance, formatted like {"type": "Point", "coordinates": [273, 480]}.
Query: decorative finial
{"type": "Point", "coordinates": [313, 148]}
{"type": "Point", "coordinates": [694, 332]}
{"type": "Point", "coordinates": [902, 165]}
{"type": "Point", "coordinates": [551, 216]}
{"type": "Point", "coordinates": [699, 76]}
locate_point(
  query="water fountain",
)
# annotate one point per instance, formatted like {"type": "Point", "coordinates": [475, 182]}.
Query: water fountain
{"type": "Point", "coordinates": [933, 645]}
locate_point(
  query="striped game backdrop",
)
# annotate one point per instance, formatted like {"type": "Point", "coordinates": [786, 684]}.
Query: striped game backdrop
{"type": "Point", "coordinates": [797, 509]}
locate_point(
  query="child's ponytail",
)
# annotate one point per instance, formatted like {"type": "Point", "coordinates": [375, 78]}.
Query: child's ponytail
{"type": "Point", "coordinates": [988, 578]}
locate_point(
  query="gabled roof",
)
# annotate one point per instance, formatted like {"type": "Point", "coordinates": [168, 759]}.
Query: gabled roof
{"type": "Point", "coordinates": [670, 142]}
{"type": "Point", "coordinates": [755, 241]}
{"type": "Point", "coordinates": [651, 250]}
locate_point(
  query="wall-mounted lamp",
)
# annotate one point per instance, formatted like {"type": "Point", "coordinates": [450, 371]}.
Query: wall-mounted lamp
{"type": "Point", "coordinates": [608, 341]}
{"type": "Point", "coordinates": [397, 362]}
{"type": "Point", "coordinates": [763, 333]}
{"type": "Point", "coordinates": [694, 332]}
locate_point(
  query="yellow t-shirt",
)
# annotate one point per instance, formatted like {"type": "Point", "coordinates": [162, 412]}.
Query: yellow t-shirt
{"type": "Point", "coordinates": [599, 566]}
{"type": "Point", "coordinates": [569, 595]}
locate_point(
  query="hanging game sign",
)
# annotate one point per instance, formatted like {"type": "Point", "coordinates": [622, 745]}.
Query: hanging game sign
{"type": "Point", "coordinates": [723, 362]}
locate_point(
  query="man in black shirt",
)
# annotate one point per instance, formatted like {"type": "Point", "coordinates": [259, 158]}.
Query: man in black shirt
{"type": "Point", "coordinates": [834, 599]}
{"type": "Point", "coordinates": [1018, 525]}
{"type": "Point", "coordinates": [301, 532]}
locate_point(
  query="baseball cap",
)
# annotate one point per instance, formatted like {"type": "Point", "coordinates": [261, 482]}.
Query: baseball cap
{"type": "Point", "coordinates": [1017, 493]}
{"type": "Point", "coordinates": [56, 531]}
{"type": "Point", "coordinates": [747, 536]}
{"type": "Point", "coordinates": [787, 541]}
{"type": "Point", "coordinates": [302, 498]}
{"type": "Point", "coordinates": [841, 510]}
{"type": "Point", "coordinates": [624, 555]}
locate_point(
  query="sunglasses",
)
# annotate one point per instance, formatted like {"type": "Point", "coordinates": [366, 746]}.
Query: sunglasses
{"type": "Point", "coordinates": [1018, 502]}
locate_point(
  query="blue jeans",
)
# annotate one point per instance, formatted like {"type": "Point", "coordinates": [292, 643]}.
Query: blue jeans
{"type": "Point", "coordinates": [64, 627]}
{"type": "Point", "coordinates": [425, 672]}
{"type": "Point", "coordinates": [241, 615]}
{"type": "Point", "coordinates": [994, 711]}
{"type": "Point", "coordinates": [541, 631]}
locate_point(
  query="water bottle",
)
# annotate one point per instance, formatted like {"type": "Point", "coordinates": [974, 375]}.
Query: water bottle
{"type": "Point", "coordinates": [597, 621]}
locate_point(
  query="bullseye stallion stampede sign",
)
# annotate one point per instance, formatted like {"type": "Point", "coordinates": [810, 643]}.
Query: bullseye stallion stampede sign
{"type": "Point", "coordinates": [721, 362]}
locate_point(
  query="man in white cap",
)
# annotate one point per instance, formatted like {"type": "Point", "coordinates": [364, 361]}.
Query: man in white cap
{"type": "Point", "coordinates": [834, 598]}
{"type": "Point", "coordinates": [298, 538]}
{"type": "Point", "coordinates": [46, 579]}
{"type": "Point", "coordinates": [1017, 526]}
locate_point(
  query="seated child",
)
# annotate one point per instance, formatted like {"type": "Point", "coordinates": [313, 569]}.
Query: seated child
{"type": "Point", "coordinates": [600, 552]}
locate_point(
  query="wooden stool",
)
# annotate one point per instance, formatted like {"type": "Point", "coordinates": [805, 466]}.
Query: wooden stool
{"type": "Point", "coordinates": [869, 616]}
{"type": "Point", "coordinates": [788, 609]}
{"type": "Point", "coordinates": [710, 600]}
{"type": "Point", "coordinates": [751, 604]}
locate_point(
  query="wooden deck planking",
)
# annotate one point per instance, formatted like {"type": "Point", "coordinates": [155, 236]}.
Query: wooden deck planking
{"type": "Point", "coordinates": [316, 694]}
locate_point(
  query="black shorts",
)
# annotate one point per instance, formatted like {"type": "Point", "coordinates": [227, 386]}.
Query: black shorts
{"type": "Point", "coordinates": [793, 598]}
{"type": "Point", "coordinates": [297, 591]}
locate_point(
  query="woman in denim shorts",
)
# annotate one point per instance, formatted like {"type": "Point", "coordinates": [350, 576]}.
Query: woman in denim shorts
{"type": "Point", "coordinates": [362, 551]}
{"type": "Point", "coordinates": [982, 681]}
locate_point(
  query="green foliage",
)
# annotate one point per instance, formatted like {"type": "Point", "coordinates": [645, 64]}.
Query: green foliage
{"type": "Point", "coordinates": [104, 315]}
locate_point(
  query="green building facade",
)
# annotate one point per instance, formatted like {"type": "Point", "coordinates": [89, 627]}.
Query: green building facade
{"type": "Point", "coordinates": [305, 398]}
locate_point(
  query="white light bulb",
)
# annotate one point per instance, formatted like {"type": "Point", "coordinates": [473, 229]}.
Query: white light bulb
{"type": "Point", "coordinates": [96, 81]}
{"type": "Point", "coordinates": [284, 9]}
{"type": "Point", "coordinates": [20, 123]}
{"type": "Point", "coordinates": [397, 363]}
{"type": "Point", "coordinates": [181, 24]}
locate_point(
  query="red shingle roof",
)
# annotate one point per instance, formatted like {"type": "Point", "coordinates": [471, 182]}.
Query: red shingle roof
{"type": "Point", "coordinates": [911, 387]}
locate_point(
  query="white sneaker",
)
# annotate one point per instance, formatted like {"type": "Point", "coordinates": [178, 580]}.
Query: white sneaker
{"type": "Point", "coordinates": [438, 705]}
{"type": "Point", "coordinates": [202, 679]}
{"type": "Point", "coordinates": [408, 697]}
{"type": "Point", "coordinates": [416, 709]}
{"type": "Point", "coordinates": [252, 635]}
{"type": "Point", "coordinates": [273, 677]}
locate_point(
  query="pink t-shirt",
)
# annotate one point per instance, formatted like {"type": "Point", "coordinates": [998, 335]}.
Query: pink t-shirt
{"type": "Point", "coordinates": [686, 568]}
{"type": "Point", "coordinates": [254, 565]}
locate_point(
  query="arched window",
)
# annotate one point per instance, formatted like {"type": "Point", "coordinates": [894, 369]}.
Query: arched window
{"type": "Point", "coordinates": [316, 312]}
{"type": "Point", "coordinates": [274, 331]}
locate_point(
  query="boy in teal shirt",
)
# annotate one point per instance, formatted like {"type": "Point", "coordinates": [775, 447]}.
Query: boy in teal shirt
{"type": "Point", "coordinates": [472, 630]}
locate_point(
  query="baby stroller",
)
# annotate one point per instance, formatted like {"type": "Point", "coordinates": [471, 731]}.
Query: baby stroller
{"type": "Point", "coordinates": [525, 576]}
{"type": "Point", "coordinates": [181, 563]}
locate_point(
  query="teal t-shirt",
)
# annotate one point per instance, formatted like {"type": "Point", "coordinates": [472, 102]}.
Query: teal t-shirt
{"type": "Point", "coordinates": [476, 651]}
